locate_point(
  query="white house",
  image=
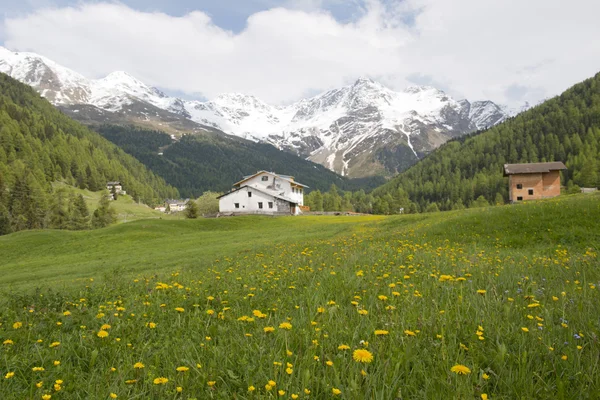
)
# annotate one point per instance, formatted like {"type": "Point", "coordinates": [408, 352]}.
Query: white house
{"type": "Point", "coordinates": [264, 193]}
{"type": "Point", "coordinates": [176, 205]}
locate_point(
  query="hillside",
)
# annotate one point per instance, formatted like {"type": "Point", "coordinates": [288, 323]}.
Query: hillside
{"type": "Point", "coordinates": [496, 301]}
{"type": "Point", "coordinates": [565, 128]}
{"type": "Point", "coordinates": [126, 208]}
{"type": "Point", "coordinates": [197, 163]}
{"type": "Point", "coordinates": [39, 145]}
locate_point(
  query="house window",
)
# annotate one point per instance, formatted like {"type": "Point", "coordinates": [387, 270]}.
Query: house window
{"type": "Point", "coordinates": [237, 205]}
{"type": "Point", "coordinates": [519, 198]}
{"type": "Point", "coordinates": [249, 194]}
{"type": "Point", "coordinates": [530, 192]}
{"type": "Point", "coordinates": [265, 178]}
{"type": "Point", "coordinates": [260, 204]}
{"type": "Point", "coordinates": [519, 186]}
{"type": "Point", "coordinates": [270, 204]}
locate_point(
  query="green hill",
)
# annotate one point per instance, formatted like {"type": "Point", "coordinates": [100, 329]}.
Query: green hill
{"type": "Point", "coordinates": [39, 146]}
{"type": "Point", "coordinates": [565, 128]}
{"type": "Point", "coordinates": [213, 161]}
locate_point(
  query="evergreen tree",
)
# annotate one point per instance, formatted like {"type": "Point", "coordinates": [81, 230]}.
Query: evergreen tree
{"type": "Point", "coordinates": [5, 223]}
{"type": "Point", "coordinates": [104, 215]}
{"type": "Point", "coordinates": [79, 219]}
{"type": "Point", "coordinates": [58, 217]}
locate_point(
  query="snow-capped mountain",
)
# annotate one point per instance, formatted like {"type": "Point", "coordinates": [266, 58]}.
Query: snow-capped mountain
{"type": "Point", "coordinates": [357, 130]}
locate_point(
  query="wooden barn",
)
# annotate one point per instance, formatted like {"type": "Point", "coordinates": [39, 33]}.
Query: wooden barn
{"type": "Point", "coordinates": [533, 181]}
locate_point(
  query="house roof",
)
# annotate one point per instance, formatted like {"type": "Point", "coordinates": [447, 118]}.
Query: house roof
{"type": "Point", "coordinates": [288, 178]}
{"type": "Point", "coordinates": [533, 168]}
{"type": "Point", "coordinates": [113, 183]}
{"type": "Point", "coordinates": [271, 193]}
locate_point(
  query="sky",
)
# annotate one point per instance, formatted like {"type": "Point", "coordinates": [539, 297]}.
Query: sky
{"type": "Point", "coordinates": [508, 51]}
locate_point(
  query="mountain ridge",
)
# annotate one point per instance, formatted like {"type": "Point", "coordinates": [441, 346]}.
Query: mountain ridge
{"type": "Point", "coordinates": [358, 130]}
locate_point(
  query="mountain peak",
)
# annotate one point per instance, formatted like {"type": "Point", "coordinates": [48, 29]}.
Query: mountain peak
{"type": "Point", "coordinates": [121, 76]}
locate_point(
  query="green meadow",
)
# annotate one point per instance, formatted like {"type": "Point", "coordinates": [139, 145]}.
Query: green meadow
{"type": "Point", "coordinates": [490, 303]}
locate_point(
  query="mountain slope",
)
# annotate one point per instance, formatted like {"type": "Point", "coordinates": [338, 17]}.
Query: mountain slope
{"type": "Point", "coordinates": [196, 163]}
{"type": "Point", "coordinates": [39, 145]}
{"type": "Point", "coordinates": [359, 130]}
{"type": "Point", "coordinates": [565, 128]}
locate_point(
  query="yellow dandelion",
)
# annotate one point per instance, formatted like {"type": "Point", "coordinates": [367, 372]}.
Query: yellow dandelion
{"type": "Point", "coordinates": [9, 375]}
{"type": "Point", "coordinates": [182, 369]}
{"type": "Point", "coordinates": [460, 369]}
{"type": "Point", "coordinates": [336, 391]}
{"type": "Point", "coordinates": [381, 332]}
{"type": "Point", "coordinates": [102, 334]}
{"type": "Point", "coordinates": [160, 381]}
{"type": "Point", "coordinates": [343, 347]}
{"type": "Point", "coordinates": [481, 291]}
{"type": "Point", "coordinates": [362, 355]}
{"type": "Point", "coordinates": [285, 325]}
{"type": "Point", "coordinates": [211, 383]}
{"type": "Point", "coordinates": [268, 329]}
{"type": "Point", "coordinates": [138, 365]}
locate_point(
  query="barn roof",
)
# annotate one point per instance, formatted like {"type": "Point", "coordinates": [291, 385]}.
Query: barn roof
{"type": "Point", "coordinates": [533, 168]}
{"type": "Point", "coordinates": [261, 190]}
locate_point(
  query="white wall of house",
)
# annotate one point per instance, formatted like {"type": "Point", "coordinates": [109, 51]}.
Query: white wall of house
{"type": "Point", "coordinates": [250, 204]}
{"type": "Point", "coordinates": [281, 185]}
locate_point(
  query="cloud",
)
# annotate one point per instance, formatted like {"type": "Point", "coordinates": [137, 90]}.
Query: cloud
{"type": "Point", "coordinates": [509, 51]}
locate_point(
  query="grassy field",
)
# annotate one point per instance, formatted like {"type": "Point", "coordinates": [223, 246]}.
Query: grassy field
{"type": "Point", "coordinates": [497, 303]}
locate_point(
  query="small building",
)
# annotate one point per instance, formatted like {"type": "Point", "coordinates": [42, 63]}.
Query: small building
{"type": "Point", "coordinates": [176, 205]}
{"type": "Point", "coordinates": [115, 186]}
{"type": "Point", "coordinates": [533, 181]}
{"type": "Point", "coordinates": [264, 193]}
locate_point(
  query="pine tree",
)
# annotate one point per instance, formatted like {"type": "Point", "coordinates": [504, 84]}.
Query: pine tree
{"type": "Point", "coordinates": [79, 219]}
{"type": "Point", "coordinates": [58, 217]}
{"type": "Point", "coordinates": [104, 215]}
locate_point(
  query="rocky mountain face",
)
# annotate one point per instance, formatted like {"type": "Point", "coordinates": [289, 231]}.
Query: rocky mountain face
{"type": "Point", "coordinates": [359, 130]}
